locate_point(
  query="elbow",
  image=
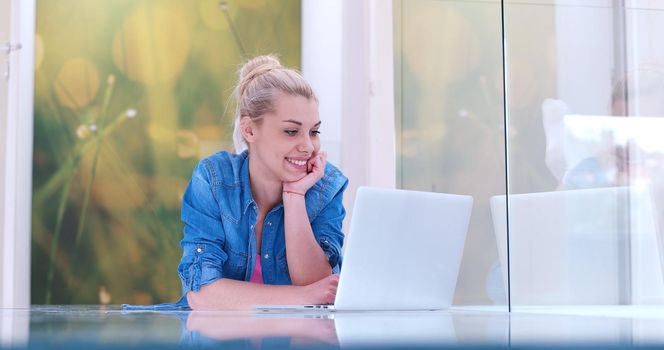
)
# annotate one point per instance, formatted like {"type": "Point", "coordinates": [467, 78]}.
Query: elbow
{"type": "Point", "coordinates": [194, 301]}
{"type": "Point", "coordinates": [207, 298]}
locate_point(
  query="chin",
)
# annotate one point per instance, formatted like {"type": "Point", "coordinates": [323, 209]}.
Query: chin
{"type": "Point", "coordinates": [292, 177]}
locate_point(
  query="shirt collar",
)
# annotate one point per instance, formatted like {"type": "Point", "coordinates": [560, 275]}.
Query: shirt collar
{"type": "Point", "coordinates": [247, 197]}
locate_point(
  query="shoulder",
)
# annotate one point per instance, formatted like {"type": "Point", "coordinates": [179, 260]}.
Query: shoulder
{"type": "Point", "coordinates": [222, 168]}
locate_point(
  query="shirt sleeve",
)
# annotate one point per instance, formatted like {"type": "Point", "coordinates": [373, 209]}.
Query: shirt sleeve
{"type": "Point", "coordinates": [327, 228]}
{"type": "Point", "coordinates": [202, 256]}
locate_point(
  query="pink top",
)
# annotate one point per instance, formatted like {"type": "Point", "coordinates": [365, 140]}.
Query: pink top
{"type": "Point", "coordinates": [257, 274]}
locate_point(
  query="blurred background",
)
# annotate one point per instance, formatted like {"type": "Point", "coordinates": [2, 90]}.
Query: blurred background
{"type": "Point", "coordinates": [129, 95]}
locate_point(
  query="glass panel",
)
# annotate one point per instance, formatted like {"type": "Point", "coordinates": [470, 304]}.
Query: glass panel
{"type": "Point", "coordinates": [4, 38]}
{"type": "Point", "coordinates": [586, 93]}
{"type": "Point", "coordinates": [129, 96]}
{"type": "Point", "coordinates": [450, 133]}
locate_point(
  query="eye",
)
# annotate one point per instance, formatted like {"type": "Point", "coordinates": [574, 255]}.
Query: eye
{"type": "Point", "coordinates": [291, 132]}
{"type": "Point", "coordinates": [315, 132]}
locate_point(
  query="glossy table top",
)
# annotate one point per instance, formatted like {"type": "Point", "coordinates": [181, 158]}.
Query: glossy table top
{"type": "Point", "coordinates": [109, 327]}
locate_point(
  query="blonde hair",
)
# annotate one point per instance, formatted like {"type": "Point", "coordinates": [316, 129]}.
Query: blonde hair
{"type": "Point", "coordinates": [260, 80]}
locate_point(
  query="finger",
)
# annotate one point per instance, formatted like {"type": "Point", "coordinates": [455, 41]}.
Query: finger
{"type": "Point", "coordinates": [319, 163]}
{"type": "Point", "coordinates": [315, 166]}
{"type": "Point", "coordinates": [314, 162]}
{"type": "Point", "coordinates": [310, 164]}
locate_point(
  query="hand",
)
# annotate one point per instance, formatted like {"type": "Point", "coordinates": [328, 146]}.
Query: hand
{"type": "Point", "coordinates": [315, 172]}
{"type": "Point", "coordinates": [321, 292]}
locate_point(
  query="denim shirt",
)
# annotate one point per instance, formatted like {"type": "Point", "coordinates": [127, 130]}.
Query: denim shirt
{"type": "Point", "coordinates": [219, 214]}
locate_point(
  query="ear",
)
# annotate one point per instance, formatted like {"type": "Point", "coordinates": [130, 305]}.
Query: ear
{"type": "Point", "coordinates": [248, 129]}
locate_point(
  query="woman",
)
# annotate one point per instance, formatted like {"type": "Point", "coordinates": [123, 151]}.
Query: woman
{"type": "Point", "coordinates": [264, 226]}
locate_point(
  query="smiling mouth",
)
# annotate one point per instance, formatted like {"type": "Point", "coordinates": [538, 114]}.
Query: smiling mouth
{"type": "Point", "coordinates": [297, 162]}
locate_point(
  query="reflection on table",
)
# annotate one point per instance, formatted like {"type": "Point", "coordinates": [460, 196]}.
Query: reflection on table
{"type": "Point", "coordinates": [305, 328]}
{"type": "Point", "coordinates": [47, 327]}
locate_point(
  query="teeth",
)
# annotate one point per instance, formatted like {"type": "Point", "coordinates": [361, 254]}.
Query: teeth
{"type": "Point", "coordinates": [297, 162]}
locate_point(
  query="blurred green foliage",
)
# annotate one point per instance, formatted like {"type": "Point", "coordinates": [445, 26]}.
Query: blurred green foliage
{"type": "Point", "coordinates": [129, 95]}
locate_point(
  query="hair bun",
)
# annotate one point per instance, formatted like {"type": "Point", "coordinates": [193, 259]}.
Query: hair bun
{"type": "Point", "coordinates": [254, 67]}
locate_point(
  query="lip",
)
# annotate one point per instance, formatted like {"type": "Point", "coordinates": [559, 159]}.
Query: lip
{"type": "Point", "coordinates": [298, 159]}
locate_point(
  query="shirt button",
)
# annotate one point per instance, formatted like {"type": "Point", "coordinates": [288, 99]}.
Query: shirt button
{"type": "Point", "coordinates": [269, 223]}
{"type": "Point", "coordinates": [252, 227]}
{"type": "Point", "coordinates": [199, 250]}
{"type": "Point", "coordinates": [266, 256]}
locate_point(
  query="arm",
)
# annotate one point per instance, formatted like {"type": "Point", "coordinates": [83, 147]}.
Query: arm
{"type": "Point", "coordinates": [313, 249]}
{"type": "Point", "coordinates": [230, 294]}
{"type": "Point", "coordinates": [306, 261]}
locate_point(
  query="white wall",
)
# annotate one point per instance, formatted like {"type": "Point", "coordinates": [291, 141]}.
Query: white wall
{"type": "Point", "coordinates": [368, 124]}
{"type": "Point", "coordinates": [321, 67]}
{"type": "Point", "coordinates": [645, 56]}
{"type": "Point", "coordinates": [4, 36]}
{"type": "Point", "coordinates": [347, 55]}
{"type": "Point", "coordinates": [17, 161]}
{"type": "Point", "coordinates": [584, 46]}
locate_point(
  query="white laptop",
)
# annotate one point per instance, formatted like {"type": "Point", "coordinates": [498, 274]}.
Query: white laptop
{"type": "Point", "coordinates": [403, 252]}
{"type": "Point", "coordinates": [581, 247]}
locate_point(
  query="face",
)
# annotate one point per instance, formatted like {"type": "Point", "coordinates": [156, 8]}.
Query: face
{"type": "Point", "coordinates": [284, 141]}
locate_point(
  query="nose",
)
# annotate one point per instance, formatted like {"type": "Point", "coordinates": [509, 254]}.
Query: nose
{"type": "Point", "coordinates": [306, 145]}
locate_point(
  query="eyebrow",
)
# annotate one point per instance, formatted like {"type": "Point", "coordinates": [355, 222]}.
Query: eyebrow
{"type": "Point", "coordinates": [299, 123]}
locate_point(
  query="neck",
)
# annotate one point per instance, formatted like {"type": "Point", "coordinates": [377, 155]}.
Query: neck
{"type": "Point", "coordinates": [265, 190]}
